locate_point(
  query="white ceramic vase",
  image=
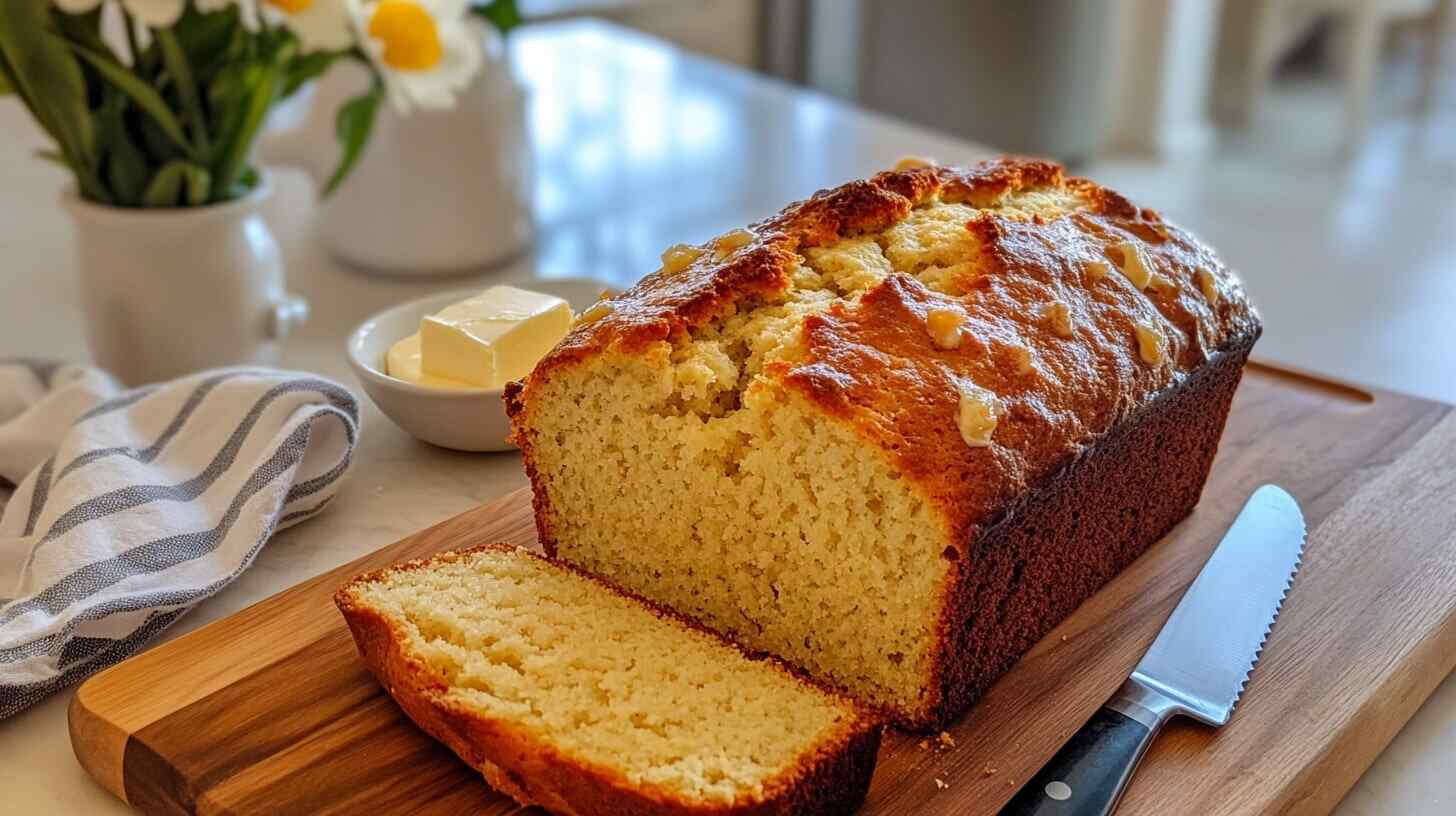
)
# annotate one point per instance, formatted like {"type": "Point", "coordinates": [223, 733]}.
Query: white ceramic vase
{"type": "Point", "coordinates": [436, 192]}
{"type": "Point", "coordinates": [168, 292]}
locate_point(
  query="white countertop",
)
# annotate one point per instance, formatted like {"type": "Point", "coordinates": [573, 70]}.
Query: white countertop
{"type": "Point", "coordinates": [607, 212]}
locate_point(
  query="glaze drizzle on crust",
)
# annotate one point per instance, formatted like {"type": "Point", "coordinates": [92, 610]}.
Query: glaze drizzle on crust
{"type": "Point", "coordinates": [1030, 239]}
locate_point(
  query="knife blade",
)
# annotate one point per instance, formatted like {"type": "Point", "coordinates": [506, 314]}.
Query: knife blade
{"type": "Point", "coordinates": [1197, 666]}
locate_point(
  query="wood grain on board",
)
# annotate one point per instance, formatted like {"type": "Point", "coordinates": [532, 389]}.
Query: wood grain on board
{"type": "Point", "coordinates": [270, 711]}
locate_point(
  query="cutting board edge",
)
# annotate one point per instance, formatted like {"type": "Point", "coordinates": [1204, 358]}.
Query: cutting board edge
{"type": "Point", "coordinates": [1380, 731]}
{"type": "Point", "coordinates": [1409, 683]}
{"type": "Point", "coordinates": [98, 743]}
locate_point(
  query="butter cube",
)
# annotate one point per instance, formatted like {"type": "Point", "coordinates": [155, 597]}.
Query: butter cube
{"type": "Point", "coordinates": [494, 337]}
{"type": "Point", "coordinates": [403, 363]}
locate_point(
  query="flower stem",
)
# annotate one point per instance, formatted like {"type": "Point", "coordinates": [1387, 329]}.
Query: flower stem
{"type": "Point", "coordinates": [181, 73]}
{"type": "Point", "coordinates": [259, 99]}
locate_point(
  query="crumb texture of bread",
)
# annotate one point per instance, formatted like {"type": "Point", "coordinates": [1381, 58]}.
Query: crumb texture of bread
{"type": "Point", "coordinates": [545, 660]}
{"type": "Point", "coordinates": [776, 439]}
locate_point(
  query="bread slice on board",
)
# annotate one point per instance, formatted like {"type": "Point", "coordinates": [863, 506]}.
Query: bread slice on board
{"type": "Point", "coordinates": [572, 695]}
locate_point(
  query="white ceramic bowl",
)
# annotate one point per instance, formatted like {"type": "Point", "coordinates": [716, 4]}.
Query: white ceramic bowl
{"type": "Point", "coordinates": [461, 419]}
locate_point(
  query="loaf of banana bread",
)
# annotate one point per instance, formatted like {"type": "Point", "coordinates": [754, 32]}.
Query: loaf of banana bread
{"type": "Point", "coordinates": [897, 432]}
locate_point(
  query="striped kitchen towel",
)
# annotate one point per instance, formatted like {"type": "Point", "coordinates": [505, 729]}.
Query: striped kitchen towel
{"type": "Point", "coordinates": [130, 506]}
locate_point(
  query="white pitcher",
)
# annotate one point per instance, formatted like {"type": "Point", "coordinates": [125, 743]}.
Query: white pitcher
{"type": "Point", "coordinates": [171, 291]}
{"type": "Point", "coordinates": [436, 192]}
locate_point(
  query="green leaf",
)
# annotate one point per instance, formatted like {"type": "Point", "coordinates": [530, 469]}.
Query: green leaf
{"type": "Point", "coordinates": [82, 28]}
{"type": "Point", "coordinates": [86, 30]}
{"type": "Point", "coordinates": [125, 166]}
{"type": "Point", "coordinates": [54, 157]}
{"type": "Point", "coordinates": [307, 67]}
{"type": "Point", "coordinates": [207, 39]}
{"type": "Point", "coordinates": [158, 146]}
{"type": "Point", "coordinates": [144, 95]}
{"type": "Point", "coordinates": [166, 186]}
{"type": "Point", "coordinates": [353, 125]}
{"type": "Point", "coordinates": [199, 186]}
{"type": "Point", "coordinates": [12, 86]}
{"type": "Point", "coordinates": [503, 14]}
{"type": "Point", "coordinates": [181, 72]}
{"type": "Point", "coordinates": [6, 86]}
{"type": "Point", "coordinates": [229, 84]}
{"type": "Point", "coordinates": [261, 85]}
{"type": "Point", "coordinates": [50, 81]}
{"type": "Point", "coordinates": [177, 183]}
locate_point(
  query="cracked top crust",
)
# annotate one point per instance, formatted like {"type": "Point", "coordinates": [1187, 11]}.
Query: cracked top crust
{"type": "Point", "coordinates": [1075, 308]}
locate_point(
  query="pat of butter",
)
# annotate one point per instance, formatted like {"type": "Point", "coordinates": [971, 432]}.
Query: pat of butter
{"type": "Point", "coordinates": [494, 337]}
{"type": "Point", "coordinates": [403, 363]}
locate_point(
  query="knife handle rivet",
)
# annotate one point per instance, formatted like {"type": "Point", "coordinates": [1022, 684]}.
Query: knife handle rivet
{"type": "Point", "coordinates": [1058, 790]}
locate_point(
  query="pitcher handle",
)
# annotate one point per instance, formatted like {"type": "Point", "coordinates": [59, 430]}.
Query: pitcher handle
{"type": "Point", "coordinates": [286, 314]}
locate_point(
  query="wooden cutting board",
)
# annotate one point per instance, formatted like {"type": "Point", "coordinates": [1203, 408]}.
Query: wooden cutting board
{"type": "Point", "coordinates": [271, 712]}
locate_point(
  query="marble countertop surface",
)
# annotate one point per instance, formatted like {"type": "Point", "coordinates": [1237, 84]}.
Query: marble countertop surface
{"type": "Point", "coordinates": [612, 191]}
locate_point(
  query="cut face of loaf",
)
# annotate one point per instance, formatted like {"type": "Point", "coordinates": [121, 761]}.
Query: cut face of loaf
{"type": "Point", "coordinates": [571, 695]}
{"type": "Point", "coordinates": [897, 432]}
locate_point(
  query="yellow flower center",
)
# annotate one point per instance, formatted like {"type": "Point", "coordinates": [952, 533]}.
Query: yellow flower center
{"type": "Point", "coordinates": [291, 6]}
{"type": "Point", "coordinates": [411, 41]}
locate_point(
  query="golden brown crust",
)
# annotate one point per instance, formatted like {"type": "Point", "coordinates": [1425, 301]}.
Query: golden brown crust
{"type": "Point", "coordinates": [519, 764]}
{"type": "Point", "coordinates": [664, 306]}
{"type": "Point", "coordinates": [872, 365]}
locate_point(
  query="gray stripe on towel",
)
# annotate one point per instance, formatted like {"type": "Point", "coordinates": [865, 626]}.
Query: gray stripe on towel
{"type": "Point", "coordinates": [146, 455]}
{"type": "Point", "coordinates": [38, 495]}
{"type": "Point", "coordinates": [118, 402]}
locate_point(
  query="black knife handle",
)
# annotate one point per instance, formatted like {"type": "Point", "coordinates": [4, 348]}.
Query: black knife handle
{"type": "Point", "coordinates": [1087, 777]}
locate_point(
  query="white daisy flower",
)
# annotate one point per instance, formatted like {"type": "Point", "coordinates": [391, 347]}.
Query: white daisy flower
{"type": "Point", "coordinates": [427, 51]}
{"type": "Point", "coordinates": [151, 13]}
{"type": "Point", "coordinates": [320, 25]}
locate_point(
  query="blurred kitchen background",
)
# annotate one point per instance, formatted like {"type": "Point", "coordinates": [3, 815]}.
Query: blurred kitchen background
{"type": "Point", "coordinates": [1082, 80]}
{"type": "Point", "coordinates": [1313, 142]}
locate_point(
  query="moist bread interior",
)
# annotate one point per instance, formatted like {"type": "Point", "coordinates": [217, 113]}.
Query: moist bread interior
{"type": "Point", "coordinates": [782, 501]}
{"type": "Point", "coordinates": [602, 678]}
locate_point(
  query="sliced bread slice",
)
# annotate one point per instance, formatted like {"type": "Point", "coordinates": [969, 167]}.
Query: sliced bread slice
{"type": "Point", "coordinates": [575, 696]}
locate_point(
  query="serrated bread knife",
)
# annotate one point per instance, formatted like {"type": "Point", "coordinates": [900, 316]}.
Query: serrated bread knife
{"type": "Point", "coordinates": [1196, 667]}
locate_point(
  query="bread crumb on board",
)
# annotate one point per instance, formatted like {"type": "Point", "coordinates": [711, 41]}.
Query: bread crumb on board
{"type": "Point", "coordinates": [943, 740]}
{"type": "Point", "coordinates": [940, 783]}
